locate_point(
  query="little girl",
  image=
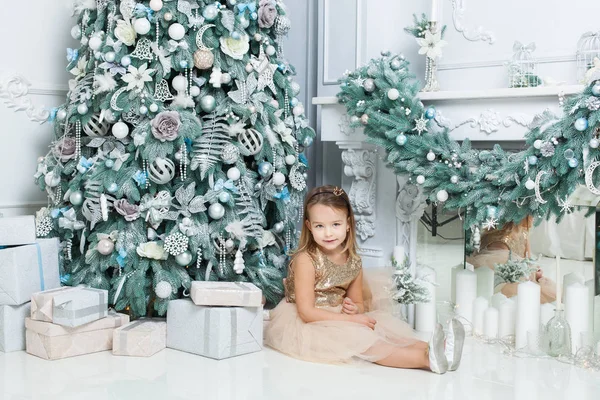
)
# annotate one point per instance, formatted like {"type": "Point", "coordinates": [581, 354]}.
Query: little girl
{"type": "Point", "coordinates": [323, 316]}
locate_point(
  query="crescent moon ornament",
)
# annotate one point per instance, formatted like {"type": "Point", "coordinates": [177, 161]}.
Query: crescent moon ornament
{"type": "Point", "coordinates": [199, 35]}
{"type": "Point", "coordinates": [589, 174]}
{"type": "Point", "coordinates": [538, 195]}
{"type": "Point", "coordinates": [115, 97]}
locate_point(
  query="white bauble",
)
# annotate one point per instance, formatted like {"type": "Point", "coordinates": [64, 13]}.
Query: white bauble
{"type": "Point", "coordinates": [420, 179]}
{"type": "Point", "coordinates": [454, 179]}
{"type": "Point", "coordinates": [226, 78]}
{"type": "Point", "coordinates": [110, 56]}
{"type": "Point", "coordinates": [184, 258]}
{"type": "Point", "coordinates": [76, 198]}
{"type": "Point", "coordinates": [82, 109]}
{"type": "Point", "coordinates": [161, 170]}
{"type": "Point", "coordinates": [120, 130]}
{"type": "Point", "coordinates": [176, 31]}
{"type": "Point", "coordinates": [249, 68]}
{"type": "Point", "coordinates": [179, 83]}
{"type": "Point", "coordinates": [168, 16]}
{"type": "Point", "coordinates": [216, 211]}
{"type": "Point", "coordinates": [95, 42]}
{"type": "Point", "coordinates": [142, 26]}
{"type": "Point", "coordinates": [393, 94]}
{"type": "Point", "coordinates": [278, 227]}
{"type": "Point", "coordinates": [298, 110]}
{"type": "Point", "coordinates": [51, 179]}
{"type": "Point", "coordinates": [194, 91]}
{"type": "Point", "coordinates": [431, 156]}
{"type": "Point", "coordinates": [156, 5]}
{"type": "Point", "coordinates": [76, 32]}
{"type": "Point", "coordinates": [270, 50]}
{"type": "Point", "coordinates": [233, 174]}
{"type": "Point", "coordinates": [153, 107]}
{"type": "Point", "coordinates": [163, 290]}
{"type": "Point", "coordinates": [61, 114]}
{"type": "Point", "coordinates": [290, 159]}
{"type": "Point", "coordinates": [537, 144]}
{"type": "Point", "coordinates": [530, 185]}
{"type": "Point", "coordinates": [278, 179]}
{"type": "Point", "coordinates": [442, 196]}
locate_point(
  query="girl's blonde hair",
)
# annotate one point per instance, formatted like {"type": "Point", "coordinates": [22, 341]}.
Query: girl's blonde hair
{"type": "Point", "coordinates": [336, 198]}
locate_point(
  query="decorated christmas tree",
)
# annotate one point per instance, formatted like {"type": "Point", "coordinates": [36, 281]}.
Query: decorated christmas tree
{"type": "Point", "coordinates": [178, 153]}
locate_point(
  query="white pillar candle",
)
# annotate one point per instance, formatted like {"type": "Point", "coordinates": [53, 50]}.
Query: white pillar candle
{"type": "Point", "coordinates": [490, 323]}
{"type": "Point", "coordinates": [546, 313]}
{"type": "Point", "coordinates": [568, 279]}
{"type": "Point", "coordinates": [455, 269]}
{"type": "Point", "coordinates": [528, 312]}
{"type": "Point", "coordinates": [485, 282]}
{"type": "Point", "coordinates": [498, 299]}
{"type": "Point", "coordinates": [466, 293]}
{"type": "Point", "coordinates": [576, 312]}
{"type": "Point", "coordinates": [479, 306]}
{"type": "Point", "coordinates": [434, 10]}
{"type": "Point", "coordinates": [591, 297]}
{"type": "Point", "coordinates": [425, 313]}
{"type": "Point", "coordinates": [399, 254]}
{"type": "Point", "coordinates": [507, 312]}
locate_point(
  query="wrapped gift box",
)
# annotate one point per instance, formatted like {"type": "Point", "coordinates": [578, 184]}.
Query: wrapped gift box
{"type": "Point", "coordinates": [69, 306]}
{"type": "Point", "coordinates": [53, 342]}
{"type": "Point", "coordinates": [215, 332]}
{"type": "Point", "coordinates": [12, 327]}
{"type": "Point", "coordinates": [142, 338]}
{"type": "Point", "coordinates": [233, 294]}
{"type": "Point", "coordinates": [16, 231]}
{"type": "Point", "coordinates": [25, 270]}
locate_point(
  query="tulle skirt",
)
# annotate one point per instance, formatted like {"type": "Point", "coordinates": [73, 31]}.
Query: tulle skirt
{"type": "Point", "coordinates": [337, 342]}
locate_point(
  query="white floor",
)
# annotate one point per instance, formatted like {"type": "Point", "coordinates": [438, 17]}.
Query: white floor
{"type": "Point", "coordinates": [485, 374]}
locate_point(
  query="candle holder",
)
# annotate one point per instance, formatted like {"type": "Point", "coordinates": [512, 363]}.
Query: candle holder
{"type": "Point", "coordinates": [431, 81]}
{"type": "Point", "coordinates": [557, 334]}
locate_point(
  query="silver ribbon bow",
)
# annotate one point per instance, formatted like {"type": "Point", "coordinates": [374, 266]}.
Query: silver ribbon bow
{"type": "Point", "coordinates": [156, 207]}
{"type": "Point", "coordinates": [69, 221]}
{"type": "Point", "coordinates": [518, 47]}
{"type": "Point", "coordinates": [119, 157]}
{"type": "Point", "coordinates": [174, 45]}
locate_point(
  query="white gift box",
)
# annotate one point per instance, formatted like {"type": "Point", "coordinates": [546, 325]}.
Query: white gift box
{"type": "Point", "coordinates": [233, 294]}
{"type": "Point", "coordinates": [25, 270]}
{"type": "Point", "coordinates": [69, 306]}
{"type": "Point", "coordinates": [53, 342]}
{"type": "Point", "coordinates": [142, 338]}
{"type": "Point", "coordinates": [214, 332]}
{"type": "Point", "coordinates": [16, 231]}
{"type": "Point", "coordinates": [12, 327]}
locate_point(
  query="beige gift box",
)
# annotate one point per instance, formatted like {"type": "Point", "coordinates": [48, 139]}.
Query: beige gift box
{"type": "Point", "coordinates": [142, 338]}
{"type": "Point", "coordinates": [70, 306]}
{"type": "Point", "coordinates": [230, 294]}
{"type": "Point", "coordinates": [53, 342]}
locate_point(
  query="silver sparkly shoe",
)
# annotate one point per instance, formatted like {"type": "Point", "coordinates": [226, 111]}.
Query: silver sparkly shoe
{"type": "Point", "coordinates": [455, 340]}
{"type": "Point", "coordinates": [437, 358]}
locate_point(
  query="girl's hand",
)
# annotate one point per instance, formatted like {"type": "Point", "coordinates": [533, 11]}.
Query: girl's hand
{"type": "Point", "coordinates": [364, 320]}
{"type": "Point", "coordinates": [349, 307]}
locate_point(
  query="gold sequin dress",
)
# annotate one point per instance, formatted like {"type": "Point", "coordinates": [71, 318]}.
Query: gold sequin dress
{"type": "Point", "coordinates": [333, 341]}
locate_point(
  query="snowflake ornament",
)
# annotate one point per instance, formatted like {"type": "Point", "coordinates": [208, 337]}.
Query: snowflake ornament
{"type": "Point", "coordinates": [176, 243]}
{"type": "Point", "coordinates": [490, 223]}
{"type": "Point", "coordinates": [420, 125]}
{"type": "Point", "coordinates": [43, 226]}
{"type": "Point", "coordinates": [565, 205]}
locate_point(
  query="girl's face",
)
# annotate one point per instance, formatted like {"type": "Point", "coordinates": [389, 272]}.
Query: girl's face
{"type": "Point", "coordinates": [329, 226]}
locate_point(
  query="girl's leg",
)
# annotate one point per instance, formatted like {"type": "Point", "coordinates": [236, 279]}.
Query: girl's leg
{"type": "Point", "coordinates": [413, 356]}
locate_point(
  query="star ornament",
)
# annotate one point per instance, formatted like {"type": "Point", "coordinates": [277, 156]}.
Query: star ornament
{"type": "Point", "coordinates": [420, 125]}
{"type": "Point", "coordinates": [490, 223]}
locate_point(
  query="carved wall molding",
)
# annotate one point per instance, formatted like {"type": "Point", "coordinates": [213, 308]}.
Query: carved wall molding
{"type": "Point", "coordinates": [459, 8]}
{"type": "Point", "coordinates": [15, 92]}
{"type": "Point", "coordinates": [489, 121]}
{"type": "Point", "coordinates": [361, 164]}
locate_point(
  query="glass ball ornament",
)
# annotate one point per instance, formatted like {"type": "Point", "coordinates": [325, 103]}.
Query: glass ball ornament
{"type": "Point", "coordinates": [95, 42]}
{"type": "Point", "coordinates": [120, 130]}
{"type": "Point", "coordinates": [430, 113]}
{"type": "Point", "coordinates": [109, 163]}
{"type": "Point", "coordinates": [76, 32]}
{"type": "Point", "coordinates": [573, 163]}
{"type": "Point", "coordinates": [234, 173]}
{"type": "Point", "coordinates": [110, 56]}
{"type": "Point", "coordinates": [594, 143]}
{"type": "Point", "coordinates": [105, 247]}
{"type": "Point", "coordinates": [208, 103]}
{"type": "Point", "coordinates": [442, 196]}
{"type": "Point", "coordinates": [76, 198]}
{"type": "Point", "coordinates": [82, 109]}
{"type": "Point", "coordinates": [581, 124]}
{"type": "Point", "coordinates": [530, 184]}
{"type": "Point", "coordinates": [265, 169]}
{"type": "Point", "coordinates": [278, 179]}
{"type": "Point", "coordinates": [183, 64]}
{"type": "Point", "coordinates": [142, 26]}
{"type": "Point", "coordinates": [431, 156]}
{"type": "Point", "coordinates": [168, 16]}
{"type": "Point", "coordinates": [153, 107]}
{"type": "Point", "coordinates": [143, 110]}
{"type": "Point", "coordinates": [224, 197]}
{"type": "Point", "coordinates": [393, 94]}
{"type": "Point", "coordinates": [568, 154]}
{"type": "Point", "coordinates": [194, 91]}
{"type": "Point", "coordinates": [454, 179]}
{"type": "Point", "coordinates": [176, 31]}
{"type": "Point", "coordinates": [163, 290]}
{"type": "Point", "coordinates": [369, 85]}
{"type": "Point", "coordinates": [210, 13]}
{"type": "Point", "coordinates": [532, 160]}
{"type": "Point", "coordinates": [401, 139]}
{"type": "Point", "coordinates": [290, 159]}
{"type": "Point", "coordinates": [278, 227]}
{"type": "Point", "coordinates": [126, 61]}
{"type": "Point", "coordinates": [61, 114]}
{"type": "Point", "coordinates": [112, 188]}
{"type": "Point", "coordinates": [51, 179]}
{"type": "Point", "coordinates": [596, 89]}
{"type": "Point", "coordinates": [308, 141]}
{"type": "Point", "coordinates": [179, 83]}
{"type": "Point", "coordinates": [216, 211]}
{"type": "Point", "coordinates": [156, 5]}
{"type": "Point", "coordinates": [420, 179]}
{"type": "Point", "coordinates": [294, 102]}
{"type": "Point", "coordinates": [184, 259]}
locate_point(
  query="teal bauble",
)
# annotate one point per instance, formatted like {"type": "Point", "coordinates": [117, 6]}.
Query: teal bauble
{"type": "Point", "coordinates": [401, 139]}
{"type": "Point", "coordinates": [596, 89]}
{"type": "Point", "coordinates": [76, 198]}
{"type": "Point", "coordinates": [184, 258]}
{"type": "Point", "coordinates": [265, 169]}
{"type": "Point", "coordinates": [581, 124]}
{"type": "Point", "coordinates": [208, 103]}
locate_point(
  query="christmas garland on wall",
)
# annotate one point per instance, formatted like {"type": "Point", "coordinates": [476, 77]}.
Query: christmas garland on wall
{"type": "Point", "coordinates": [493, 186]}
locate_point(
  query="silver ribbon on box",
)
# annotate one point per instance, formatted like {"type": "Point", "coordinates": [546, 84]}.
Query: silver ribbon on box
{"type": "Point", "coordinates": [124, 331]}
{"type": "Point", "coordinates": [101, 309]}
{"type": "Point", "coordinates": [233, 327]}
